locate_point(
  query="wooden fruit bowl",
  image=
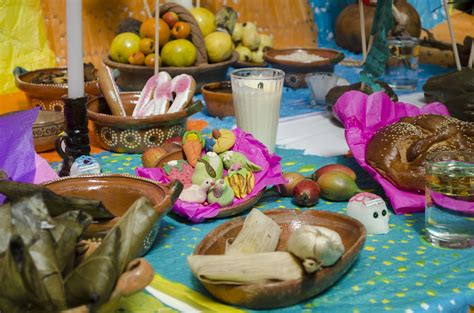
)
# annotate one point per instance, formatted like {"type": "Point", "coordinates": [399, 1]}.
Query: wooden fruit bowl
{"type": "Point", "coordinates": [134, 77]}
{"type": "Point", "coordinates": [285, 293]}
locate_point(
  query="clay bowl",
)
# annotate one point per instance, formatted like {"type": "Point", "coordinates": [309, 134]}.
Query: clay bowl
{"type": "Point", "coordinates": [48, 96]}
{"type": "Point", "coordinates": [127, 134]}
{"type": "Point", "coordinates": [46, 128]}
{"type": "Point", "coordinates": [134, 77]}
{"type": "Point", "coordinates": [117, 193]}
{"type": "Point", "coordinates": [295, 71]}
{"type": "Point", "coordinates": [218, 98]}
{"type": "Point", "coordinates": [280, 294]}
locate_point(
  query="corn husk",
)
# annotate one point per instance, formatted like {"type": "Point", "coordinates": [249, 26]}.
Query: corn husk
{"type": "Point", "coordinates": [259, 234]}
{"type": "Point", "coordinates": [245, 268]}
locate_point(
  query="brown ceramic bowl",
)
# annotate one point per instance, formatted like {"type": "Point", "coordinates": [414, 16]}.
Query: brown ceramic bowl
{"type": "Point", "coordinates": [46, 128]}
{"type": "Point", "coordinates": [218, 98]}
{"type": "Point", "coordinates": [243, 64]}
{"type": "Point", "coordinates": [295, 71]}
{"type": "Point", "coordinates": [117, 193]}
{"type": "Point", "coordinates": [134, 77]}
{"type": "Point", "coordinates": [285, 293]}
{"type": "Point", "coordinates": [49, 96]}
{"type": "Point", "coordinates": [127, 134]}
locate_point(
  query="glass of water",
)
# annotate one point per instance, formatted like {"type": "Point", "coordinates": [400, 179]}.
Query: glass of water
{"type": "Point", "coordinates": [449, 210]}
{"type": "Point", "coordinates": [401, 70]}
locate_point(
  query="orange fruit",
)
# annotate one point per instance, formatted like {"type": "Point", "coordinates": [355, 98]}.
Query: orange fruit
{"type": "Point", "coordinates": [150, 60]}
{"type": "Point", "coordinates": [147, 46]}
{"type": "Point", "coordinates": [136, 58]}
{"type": "Point", "coordinates": [181, 30]}
{"type": "Point", "coordinates": [147, 30]}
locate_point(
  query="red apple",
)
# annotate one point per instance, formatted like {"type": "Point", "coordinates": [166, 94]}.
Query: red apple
{"type": "Point", "coordinates": [170, 18]}
{"type": "Point", "coordinates": [306, 193]}
{"type": "Point", "coordinates": [333, 168]}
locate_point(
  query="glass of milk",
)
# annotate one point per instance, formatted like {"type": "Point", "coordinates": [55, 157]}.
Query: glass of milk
{"type": "Point", "coordinates": [257, 95]}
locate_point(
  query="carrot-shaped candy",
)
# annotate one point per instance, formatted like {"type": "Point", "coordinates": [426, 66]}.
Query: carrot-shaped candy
{"type": "Point", "coordinates": [193, 143]}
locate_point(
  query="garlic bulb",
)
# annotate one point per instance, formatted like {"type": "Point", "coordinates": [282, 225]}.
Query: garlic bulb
{"type": "Point", "coordinates": [315, 246]}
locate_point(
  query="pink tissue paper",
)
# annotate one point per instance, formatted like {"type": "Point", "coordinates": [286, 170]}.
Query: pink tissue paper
{"type": "Point", "coordinates": [271, 174]}
{"type": "Point", "coordinates": [362, 115]}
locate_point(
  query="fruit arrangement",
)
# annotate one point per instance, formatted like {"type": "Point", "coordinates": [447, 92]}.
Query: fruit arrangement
{"type": "Point", "coordinates": [224, 172]}
{"type": "Point", "coordinates": [187, 38]}
{"type": "Point", "coordinates": [250, 44]}
{"type": "Point", "coordinates": [334, 182]}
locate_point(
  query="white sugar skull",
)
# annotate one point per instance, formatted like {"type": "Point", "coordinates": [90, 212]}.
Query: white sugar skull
{"type": "Point", "coordinates": [371, 211]}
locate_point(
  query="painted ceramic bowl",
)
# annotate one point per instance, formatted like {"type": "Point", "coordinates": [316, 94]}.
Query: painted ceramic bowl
{"type": "Point", "coordinates": [298, 62]}
{"type": "Point", "coordinates": [218, 98]}
{"type": "Point", "coordinates": [117, 193]}
{"type": "Point", "coordinates": [46, 128]}
{"type": "Point", "coordinates": [127, 134]}
{"type": "Point", "coordinates": [48, 96]}
{"type": "Point", "coordinates": [285, 293]}
{"type": "Point", "coordinates": [134, 77]}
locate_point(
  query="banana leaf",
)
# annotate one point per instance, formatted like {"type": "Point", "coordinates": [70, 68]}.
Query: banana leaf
{"type": "Point", "coordinates": [66, 233]}
{"type": "Point", "coordinates": [93, 280]}
{"type": "Point", "coordinates": [25, 292]}
{"type": "Point", "coordinates": [55, 203]}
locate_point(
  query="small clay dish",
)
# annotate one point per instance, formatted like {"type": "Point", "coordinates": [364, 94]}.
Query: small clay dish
{"type": "Point", "coordinates": [117, 193]}
{"type": "Point", "coordinates": [46, 128]}
{"type": "Point", "coordinates": [285, 293]}
{"type": "Point", "coordinates": [218, 98]}
{"type": "Point", "coordinates": [128, 134]}
{"type": "Point", "coordinates": [295, 71]}
{"type": "Point", "coordinates": [48, 96]}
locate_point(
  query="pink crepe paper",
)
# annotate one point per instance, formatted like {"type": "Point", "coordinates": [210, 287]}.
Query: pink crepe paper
{"type": "Point", "coordinates": [362, 116]}
{"type": "Point", "coordinates": [271, 174]}
{"type": "Point", "coordinates": [44, 172]}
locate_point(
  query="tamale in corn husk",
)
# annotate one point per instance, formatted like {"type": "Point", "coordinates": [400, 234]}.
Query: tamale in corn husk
{"type": "Point", "coordinates": [258, 234]}
{"type": "Point", "coordinates": [242, 269]}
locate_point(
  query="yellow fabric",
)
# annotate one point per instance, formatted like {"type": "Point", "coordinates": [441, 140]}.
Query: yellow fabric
{"type": "Point", "coordinates": [190, 296]}
{"type": "Point", "coordinates": [23, 40]}
{"type": "Point", "coordinates": [141, 303]}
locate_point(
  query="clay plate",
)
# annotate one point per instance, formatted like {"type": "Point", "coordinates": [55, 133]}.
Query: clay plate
{"type": "Point", "coordinates": [243, 64]}
{"type": "Point", "coordinates": [117, 192]}
{"type": "Point", "coordinates": [228, 211]}
{"type": "Point", "coordinates": [295, 71]}
{"type": "Point", "coordinates": [286, 293]}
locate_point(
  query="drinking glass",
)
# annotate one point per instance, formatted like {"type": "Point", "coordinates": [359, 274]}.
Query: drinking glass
{"type": "Point", "coordinates": [257, 95]}
{"type": "Point", "coordinates": [401, 70]}
{"type": "Point", "coordinates": [320, 83]}
{"type": "Point", "coordinates": [449, 210]}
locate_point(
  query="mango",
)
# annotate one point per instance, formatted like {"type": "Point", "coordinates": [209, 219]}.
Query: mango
{"type": "Point", "coordinates": [337, 186]}
{"type": "Point", "coordinates": [333, 168]}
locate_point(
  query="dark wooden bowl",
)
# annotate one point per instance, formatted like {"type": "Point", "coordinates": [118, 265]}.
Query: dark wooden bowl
{"type": "Point", "coordinates": [218, 98]}
{"type": "Point", "coordinates": [286, 293]}
{"type": "Point", "coordinates": [295, 71]}
{"type": "Point", "coordinates": [127, 134]}
{"type": "Point", "coordinates": [134, 77]}
{"type": "Point", "coordinates": [49, 96]}
{"type": "Point", "coordinates": [117, 193]}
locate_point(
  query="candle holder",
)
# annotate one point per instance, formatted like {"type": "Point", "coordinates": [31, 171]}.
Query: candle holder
{"type": "Point", "coordinates": [76, 136]}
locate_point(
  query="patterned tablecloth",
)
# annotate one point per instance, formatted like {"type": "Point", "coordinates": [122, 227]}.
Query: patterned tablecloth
{"type": "Point", "coordinates": [398, 272]}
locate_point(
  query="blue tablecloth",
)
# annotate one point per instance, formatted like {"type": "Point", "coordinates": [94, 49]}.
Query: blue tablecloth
{"type": "Point", "coordinates": [397, 272]}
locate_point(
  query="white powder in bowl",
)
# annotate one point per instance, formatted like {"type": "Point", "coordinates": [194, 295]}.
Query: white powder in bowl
{"type": "Point", "coordinates": [300, 56]}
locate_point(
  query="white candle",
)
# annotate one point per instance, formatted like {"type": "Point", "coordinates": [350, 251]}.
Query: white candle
{"type": "Point", "coordinates": [75, 67]}
{"type": "Point", "coordinates": [157, 35]}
